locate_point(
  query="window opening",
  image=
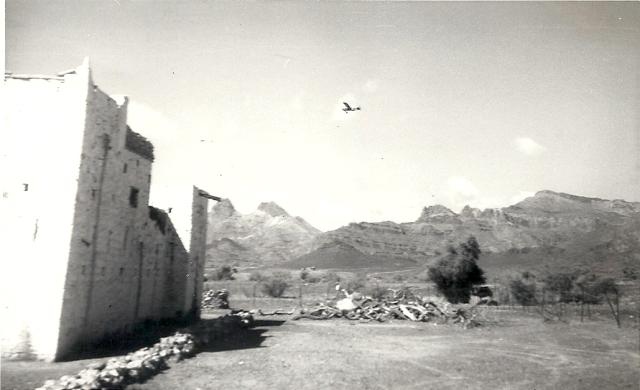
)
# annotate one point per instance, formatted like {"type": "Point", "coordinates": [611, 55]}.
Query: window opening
{"type": "Point", "coordinates": [133, 197]}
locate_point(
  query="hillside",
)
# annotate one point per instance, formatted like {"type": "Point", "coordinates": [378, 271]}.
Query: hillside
{"type": "Point", "coordinates": [548, 229]}
{"type": "Point", "coordinates": [266, 236]}
{"type": "Point", "coordinates": [339, 255]}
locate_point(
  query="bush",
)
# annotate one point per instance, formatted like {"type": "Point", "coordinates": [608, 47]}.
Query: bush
{"type": "Point", "coordinates": [560, 284]}
{"type": "Point", "coordinates": [523, 292]}
{"type": "Point", "coordinates": [587, 289]}
{"type": "Point", "coordinates": [456, 274]}
{"type": "Point", "coordinates": [331, 277]}
{"type": "Point", "coordinates": [377, 292]}
{"type": "Point", "coordinates": [256, 276]}
{"type": "Point", "coordinates": [304, 274]}
{"type": "Point", "coordinates": [223, 273]}
{"type": "Point", "coordinates": [355, 284]}
{"type": "Point", "coordinates": [312, 279]}
{"type": "Point", "coordinates": [275, 287]}
{"type": "Point", "coordinates": [282, 275]}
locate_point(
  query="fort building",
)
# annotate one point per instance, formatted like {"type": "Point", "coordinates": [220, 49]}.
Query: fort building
{"type": "Point", "coordinates": [86, 257]}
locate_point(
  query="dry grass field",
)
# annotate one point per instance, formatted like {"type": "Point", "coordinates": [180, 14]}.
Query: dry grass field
{"type": "Point", "coordinates": [514, 350]}
{"type": "Point", "coordinates": [518, 352]}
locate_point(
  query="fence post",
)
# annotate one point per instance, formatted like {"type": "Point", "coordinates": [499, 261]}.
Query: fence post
{"type": "Point", "coordinates": [255, 285]}
{"type": "Point", "coordinates": [300, 294]}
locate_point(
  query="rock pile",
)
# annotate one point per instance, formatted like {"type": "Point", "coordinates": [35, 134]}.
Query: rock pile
{"type": "Point", "coordinates": [135, 367]}
{"type": "Point", "coordinates": [212, 299]}
{"type": "Point", "coordinates": [401, 305]}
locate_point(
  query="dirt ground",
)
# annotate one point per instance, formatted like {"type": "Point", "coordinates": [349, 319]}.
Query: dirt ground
{"type": "Point", "coordinates": [518, 351]}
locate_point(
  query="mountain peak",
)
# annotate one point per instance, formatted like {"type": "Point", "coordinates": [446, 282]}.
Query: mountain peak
{"type": "Point", "coordinates": [435, 211]}
{"type": "Point", "coordinates": [223, 209]}
{"type": "Point", "coordinates": [272, 209]}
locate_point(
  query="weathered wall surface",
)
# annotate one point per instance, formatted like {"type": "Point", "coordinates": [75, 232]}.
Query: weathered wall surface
{"type": "Point", "coordinates": [197, 252]}
{"type": "Point", "coordinates": [122, 262]}
{"type": "Point", "coordinates": [42, 131]}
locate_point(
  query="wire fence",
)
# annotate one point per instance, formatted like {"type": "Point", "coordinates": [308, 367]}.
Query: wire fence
{"type": "Point", "coordinates": [546, 304]}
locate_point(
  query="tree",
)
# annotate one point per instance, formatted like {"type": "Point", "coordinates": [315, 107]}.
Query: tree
{"type": "Point", "coordinates": [275, 287]}
{"type": "Point", "coordinates": [560, 284]}
{"type": "Point", "coordinates": [457, 273]}
{"type": "Point", "coordinates": [586, 285]}
{"type": "Point", "coordinates": [607, 287]}
{"type": "Point", "coordinates": [223, 273]}
{"type": "Point", "coordinates": [523, 290]}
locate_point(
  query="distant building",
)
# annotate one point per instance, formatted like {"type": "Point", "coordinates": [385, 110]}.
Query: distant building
{"type": "Point", "coordinates": [85, 257]}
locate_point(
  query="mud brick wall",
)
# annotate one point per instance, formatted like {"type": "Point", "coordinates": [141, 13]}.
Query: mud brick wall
{"type": "Point", "coordinates": [112, 262]}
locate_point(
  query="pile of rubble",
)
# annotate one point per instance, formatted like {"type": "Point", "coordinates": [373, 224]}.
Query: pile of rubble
{"type": "Point", "coordinates": [401, 305]}
{"type": "Point", "coordinates": [146, 362]}
{"type": "Point", "coordinates": [137, 366]}
{"type": "Point", "coordinates": [212, 299]}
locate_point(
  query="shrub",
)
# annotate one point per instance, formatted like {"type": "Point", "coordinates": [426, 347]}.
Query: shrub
{"type": "Point", "coordinates": [331, 277]}
{"type": "Point", "coordinates": [304, 274]}
{"type": "Point", "coordinates": [275, 287]}
{"type": "Point", "coordinates": [587, 289]}
{"type": "Point", "coordinates": [312, 279]}
{"type": "Point", "coordinates": [560, 284]}
{"type": "Point", "coordinates": [223, 273]}
{"type": "Point", "coordinates": [456, 274]}
{"type": "Point", "coordinates": [377, 292]}
{"type": "Point", "coordinates": [630, 273]}
{"type": "Point", "coordinates": [607, 287]}
{"type": "Point", "coordinates": [523, 292]}
{"type": "Point", "coordinates": [256, 276]}
{"type": "Point", "coordinates": [355, 284]}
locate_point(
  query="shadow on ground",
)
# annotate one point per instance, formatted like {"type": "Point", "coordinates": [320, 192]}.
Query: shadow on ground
{"type": "Point", "coordinates": [241, 339]}
{"type": "Point", "coordinates": [151, 334]}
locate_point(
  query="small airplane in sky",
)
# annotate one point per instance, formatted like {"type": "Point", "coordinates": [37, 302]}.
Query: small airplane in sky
{"type": "Point", "coordinates": [349, 108]}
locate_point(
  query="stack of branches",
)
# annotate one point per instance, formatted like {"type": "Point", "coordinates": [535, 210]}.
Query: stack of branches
{"type": "Point", "coordinates": [213, 299]}
{"type": "Point", "coordinates": [395, 304]}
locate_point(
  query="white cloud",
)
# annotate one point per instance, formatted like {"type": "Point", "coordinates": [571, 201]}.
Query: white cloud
{"type": "Point", "coordinates": [460, 192]}
{"type": "Point", "coordinates": [529, 146]}
{"type": "Point", "coordinates": [371, 86]}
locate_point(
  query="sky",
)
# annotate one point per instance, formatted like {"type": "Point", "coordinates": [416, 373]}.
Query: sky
{"type": "Point", "coordinates": [462, 103]}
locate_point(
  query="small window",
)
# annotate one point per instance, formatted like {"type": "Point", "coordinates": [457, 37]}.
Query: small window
{"type": "Point", "coordinates": [102, 271]}
{"type": "Point", "coordinates": [124, 168]}
{"type": "Point", "coordinates": [93, 194]}
{"type": "Point", "coordinates": [121, 272]}
{"type": "Point", "coordinates": [137, 163]}
{"type": "Point", "coordinates": [133, 197]}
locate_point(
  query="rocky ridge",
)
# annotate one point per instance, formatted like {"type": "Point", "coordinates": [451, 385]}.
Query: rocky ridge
{"type": "Point", "coordinates": [545, 228]}
{"type": "Point", "coordinates": [560, 226]}
{"type": "Point", "coordinates": [266, 236]}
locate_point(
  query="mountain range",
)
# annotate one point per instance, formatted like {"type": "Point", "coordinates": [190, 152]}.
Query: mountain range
{"type": "Point", "coordinates": [547, 229]}
{"type": "Point", "coordinates": [265, 237]}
